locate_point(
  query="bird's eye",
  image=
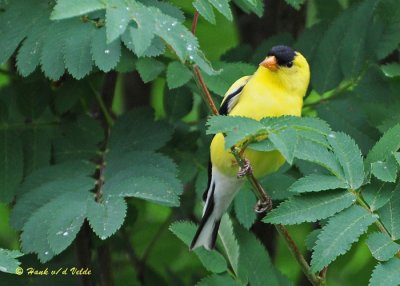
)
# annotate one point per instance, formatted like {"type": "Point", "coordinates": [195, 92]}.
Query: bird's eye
{"type": "Point", "coordinates": [289, 64]}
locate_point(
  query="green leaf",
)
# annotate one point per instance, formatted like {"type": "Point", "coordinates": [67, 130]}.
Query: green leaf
{"type": "Point", "coordinates": [11, 164]}
{"type": "Point", "coordinates": [15, 23]}
{"type": "Point", "coordinates": [78, 139]}
{"type": "Point", "coordinates": [353, 55]}
{"type": "Point", "coordinates": [339, 234]}
{"type": "Point", "coordinates": [28, 57]}
{"type": "Point", "coordinates": [385, 171]}
{"type": "Point", "coordinates": [218, 280]}
{"type": "Point", "coordinates": [78, 57]}
{"type": "Point", "coordinates": [386, 273]}
{"type": "Point", "coordinates": [46, 184]}
{"type": "Point", "coordinates": [141, 36]}
{"type": "Point", "coordinates": [244, 208]}
{"type": "Point", "coordinates": [149, 69]}
{"type": "Point", "coordinates": [211, 260]}
{"type": "Point", "coordinates": [397, 157]}
{"type": "Point", "coordinates": [304, 125]}
{"type": "Point", "coordinates": [350, 158]}
{"type": "Point", "coordinates": [8, 261]}
{"type": "Point", "coordinates": [277, 185]}
{"type": "Point", "coordinates": [52, 57]}
{"type": "Point", "coordinates": [32, 99]}
{"type": "Point", "coordinates": [105, 55]}
{"type": "Point", "coordinates": [106, 217]}
{"type": "Point", "coordinates": [237, 128]}
{"type": "Point", "coordinates": [316, 183]}
{"type": "Point", "coordinates": [255, 265]}
{"type": "Point", "coordinates": [177, 75]}
{"type": "Point", "coordinates": [310, 207]}
{"type": "Point", "coordinates": [229, 242]}
{"type": "Point", "coordinates": [137, 130]}
{"type": "Point", "coordinates": [117, 19]}
{"type": "Point", "coordinates": [311, 239]}
{"type": "Point", "coordinates": [223, 7]}
{"type": "Point", "coordinates": [326, 70]}
{"type": "Point", "coordinates": [295, 3]}
{"type": "Point", "coordinates": [66, 222]}
{"type": "Point", "coordinates": [178, 102]}
{"type": "Point", "coordinates": [391, 70]}
{"type": "Point", "coordinates": [387, 144]}
{"type": "Point", "coordinates": [220, 83]}
{"type": "Point", "coordinates": [72, 8]}
{"type": "Point", "coordinates": [390, 215]}
{"type": "Point", "coordinates": [205, 10]}
{"type": "Point", "coordinates": [318, 154]}
{"type": "Point", "coordinates": [248, 6]}
{"type": "Point", "coordinates": [381, 246]}
{"type": "Point", "coordinates": [377, 194]}
{"type": "Point", "coordinates": [285, 142]}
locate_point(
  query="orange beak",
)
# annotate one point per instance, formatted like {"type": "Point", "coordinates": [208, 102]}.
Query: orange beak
{"type": "Point", "coordinates": [270, 63]}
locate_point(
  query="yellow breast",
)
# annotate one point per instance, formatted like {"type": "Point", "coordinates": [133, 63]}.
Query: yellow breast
{"type": "Point", "coordinates": [258, 100]}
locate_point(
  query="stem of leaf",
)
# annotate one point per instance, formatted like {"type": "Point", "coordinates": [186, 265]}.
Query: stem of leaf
{"type": "Point", "coordinates": [259, 191]}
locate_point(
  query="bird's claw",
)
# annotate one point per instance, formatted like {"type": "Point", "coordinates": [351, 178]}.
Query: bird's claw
{"type": "Point", "coordinates": [263, 207]}
{"type": "Point", "coordinates": [245, 170]}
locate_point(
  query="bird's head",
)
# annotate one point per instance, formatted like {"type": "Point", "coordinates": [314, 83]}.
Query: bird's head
{"type": "Point", "coordinates": [288, 68]}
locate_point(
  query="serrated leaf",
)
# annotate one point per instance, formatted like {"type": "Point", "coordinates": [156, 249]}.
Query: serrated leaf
{"type": "Point", "coordinates": [318, 154]}
{"type": "Point", "coordinates": [29, 203]}
{"type": "Point", "coordinates": [66, 222]}
{"type": "Point", "coordinates": [387, 144]}
{"type": "Point", "coordinates": [105, 55]}
{"type": "Point", "coordinates": [137, 130]}
{"type": "Point", "coordinates": [229, 242]}
{"type": "Point", "coordinates": [255, 265]}
{"type": "Point", "coordinates": [11, 164]}
{"type": "Point", "coordinates": [354, 53]}
{"type": "Point", "coordinates": [377, 194]}
{"type": "Point", "coordinates": [389, 38]}
{"type": "Point", "coordinates": [247, 6]}
{"type": "Point", "coordinates": [350, 158]}
{"type": "Point", "coordinates": [178, 102]}
{"type": "Point", "coordinates": [52, 57]}
{"type": "Point", "coordinates": [326, 71]}
{"type": "Point", "coordinates": [277, 185]}
{"type": "Point", "coordinates": [205, 10]}
{"type": "Point", "coordinates": [316, 183]}
{"type": "Point", "coordinates": [310, 207]}
{"type": "Point", "coordinates": [117, 19]}
{"type": "Point", "coordinates": [385, 171]}
{"type": "Point", "coordinates": [177, 75]}
{"type": "Point", "coordinates": [8, 261]}
{"type": "Point", "coordinates": [28, 57]}
{"type": "Point", "coordinates": [16, 21]}
{"type": "Point", "coordinates": [220, 83]}
{"type": "Point", "coordinates": [72, 8]}
{"type": "Point", "coordinates": [397, 157]}
{"type": "Point", "coordinates": [311, 239]}
{"type": "Point", "coordinates": [339, 234]}
{"type": "Point", "coordinates": [295, 3]}
{"type": "Point", "coordinates": [223, 7]}
{"type": "Point", "coordinates": [244, 208]}
{"type": "Point", "coordinates": [386, 273]}
{"type": "Point", "coordinates": [149, 69]}
{"type": "Point", "coordinates": [285, 142]}
{"type": "Point", "coordinates": [300, 124]}
{"type": "Point", "coordinates": [381, 246]}
{"type": "Point", "coordinates": [217, 280]}
{"type": "Point", "coordinates": [32, 99]}
{"type": "Point", "coordinates": [390, 215]}
{"type": "Point", "coordinates": [211, 260]}
{"type": "Point", "coordinates": [141, 36]}
{"type": "Point", "coordinates": [237, 128]}
{"type": "Point", "coordinates": [78, 58]}
{"type": "Point", "coordinates": [106, 217]}
{"type": "Point", "coordinates": [391, 70]}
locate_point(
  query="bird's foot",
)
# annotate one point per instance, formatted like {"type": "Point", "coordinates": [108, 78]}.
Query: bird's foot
{"type": "Point", "coordinates": [245, 170]}
{"type": "Point", "coordinates": [263, 207]}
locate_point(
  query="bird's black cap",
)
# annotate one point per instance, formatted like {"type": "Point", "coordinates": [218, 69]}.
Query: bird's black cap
{"type": "Point", "coordinates": [283, 54]}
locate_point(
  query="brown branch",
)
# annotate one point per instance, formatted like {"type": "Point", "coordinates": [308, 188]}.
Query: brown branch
{"type": "Point", "coordinates": [195, 20]}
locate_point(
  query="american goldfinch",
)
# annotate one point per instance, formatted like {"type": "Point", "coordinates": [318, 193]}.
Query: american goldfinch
{"type": "Point", "coordinates": [276, 88]}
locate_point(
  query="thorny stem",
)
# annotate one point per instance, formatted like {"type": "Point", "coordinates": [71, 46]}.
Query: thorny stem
{"type": "Point", "coordinates": [259, 191]}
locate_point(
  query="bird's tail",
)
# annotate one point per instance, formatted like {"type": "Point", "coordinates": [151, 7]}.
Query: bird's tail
{"type": "Point", "coordinates": [219, 195]}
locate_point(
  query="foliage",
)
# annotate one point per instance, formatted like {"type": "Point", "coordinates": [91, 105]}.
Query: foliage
{"type": "Point", "coordinates": [89, 177]}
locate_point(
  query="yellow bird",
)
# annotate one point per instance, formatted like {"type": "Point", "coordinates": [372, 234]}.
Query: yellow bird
{"type": "Point", "coordinates": [277, 88]}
